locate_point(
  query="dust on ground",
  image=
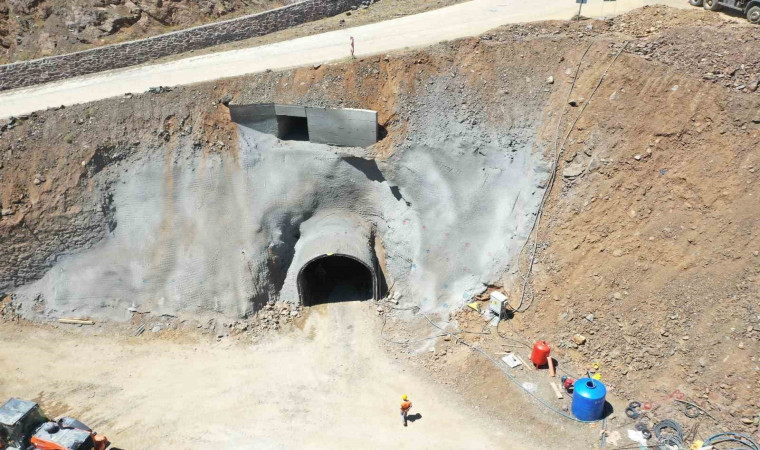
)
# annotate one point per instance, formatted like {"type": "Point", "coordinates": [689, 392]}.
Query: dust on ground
{"type": "Point", "coordinates": [328, 384]}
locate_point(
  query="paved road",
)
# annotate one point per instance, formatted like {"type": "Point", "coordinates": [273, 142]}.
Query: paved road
{"type": "Point", "coordinates": [461, 20]}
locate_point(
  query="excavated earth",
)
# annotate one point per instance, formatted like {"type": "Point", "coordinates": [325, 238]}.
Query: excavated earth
{"type": "Point", "coordinates": [647, 257]}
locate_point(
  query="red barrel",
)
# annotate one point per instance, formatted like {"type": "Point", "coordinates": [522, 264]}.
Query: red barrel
{"type": "Point", "coordinates": [540, 354]}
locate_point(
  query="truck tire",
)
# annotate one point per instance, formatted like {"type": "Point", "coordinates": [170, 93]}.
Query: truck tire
{"type": "Point", "coordinates": [696, 2]}
{"type": "Point", "coordinates": [753, 14]}
{"type": "Point", "coordinates": [711, 5]}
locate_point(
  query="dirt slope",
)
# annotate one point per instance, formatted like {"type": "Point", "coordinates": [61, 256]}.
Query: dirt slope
{"type": "Point", "coordinates": [652, 229]}
{"type": "Point", "coordinates": [648, 248]}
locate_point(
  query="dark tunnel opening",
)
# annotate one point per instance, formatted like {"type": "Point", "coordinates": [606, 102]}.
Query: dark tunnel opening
{"type": "Point", "coordinates": [292, 128]}
{"type": "Point", "coordinates": [334, 278]}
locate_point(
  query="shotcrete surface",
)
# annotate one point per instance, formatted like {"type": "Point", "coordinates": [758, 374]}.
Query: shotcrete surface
{"type": "Point", "coordinates": [198, 232]}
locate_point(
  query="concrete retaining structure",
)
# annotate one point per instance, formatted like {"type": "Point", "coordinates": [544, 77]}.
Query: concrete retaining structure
{"type": "Point", "coordinates": [261, 117]}
{"type": "Point", "coordinates": [342, 127]}
{"type": "Point", "coordinates": [348, 127]}
{"type": "Point", "coordinates": [28, 73]}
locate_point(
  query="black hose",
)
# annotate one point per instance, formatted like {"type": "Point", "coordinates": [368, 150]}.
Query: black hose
{"type": "Point", "coordinates": [737, 438]}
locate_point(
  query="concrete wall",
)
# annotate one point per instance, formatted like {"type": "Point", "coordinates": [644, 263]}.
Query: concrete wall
{"type": "Point", "coordinates": [43, 70]}
{"type": "Point", "coordinates": [261, 117]}
{"type": "Point", "coordinates": [348, 127]}
{"type": "Point", "coordinates": [344, 127]}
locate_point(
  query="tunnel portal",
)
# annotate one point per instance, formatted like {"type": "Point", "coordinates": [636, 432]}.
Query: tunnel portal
{"type": "Point", "coordinates": [334, 261]}
{"type": "Point", "coordinates": [334, 278]}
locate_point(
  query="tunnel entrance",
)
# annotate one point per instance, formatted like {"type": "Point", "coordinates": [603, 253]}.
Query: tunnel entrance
{"type": "Point", "coordinates": [292, 128]}
{"type": "Point", "coordinates": [335, 278]}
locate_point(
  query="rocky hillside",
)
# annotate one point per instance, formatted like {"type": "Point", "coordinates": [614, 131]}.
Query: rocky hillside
{"type": "Point", "coordinates": [35, 28]}
{"type": "Point", "coordinates": [649, 249]}
{"type": "Point", "coordinates": [647, 258]}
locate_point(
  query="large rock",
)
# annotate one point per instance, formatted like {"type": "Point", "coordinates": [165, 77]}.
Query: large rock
{"type": "Point", "coordinates": [120, 17]}
{"type": "Point", "coordinates": [572, 170]}
{"type": "Point", "coordinates": [102, 3]}
{"type": "Point", "coordinates": [79, 19]}
{"type": "Point", "coordinates": [23, 6]}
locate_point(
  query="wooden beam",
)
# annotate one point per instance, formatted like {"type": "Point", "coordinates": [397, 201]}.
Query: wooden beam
{"type": "Point", "coordinates": [76, 321]}
{"type": "Point", "coordinates": [557, 391]}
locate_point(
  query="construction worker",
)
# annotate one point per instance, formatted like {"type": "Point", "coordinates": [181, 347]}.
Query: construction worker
{"type": "Point", "coordinates": [406, 405]}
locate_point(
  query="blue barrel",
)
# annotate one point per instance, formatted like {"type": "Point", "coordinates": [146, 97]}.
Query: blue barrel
{"type": "Point", "coordinates": [588, 399]}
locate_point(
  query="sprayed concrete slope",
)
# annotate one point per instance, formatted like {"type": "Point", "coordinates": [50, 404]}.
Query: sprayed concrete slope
{"type": "Point", "coordinates": [212, 233]}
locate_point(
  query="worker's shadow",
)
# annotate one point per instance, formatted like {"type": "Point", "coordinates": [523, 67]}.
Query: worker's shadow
{"type": "Point", "coordinates": [414, 417]}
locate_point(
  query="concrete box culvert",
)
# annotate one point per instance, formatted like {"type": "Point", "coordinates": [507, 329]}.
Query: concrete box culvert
{"type": "Point", "coordinates": [343, 127]}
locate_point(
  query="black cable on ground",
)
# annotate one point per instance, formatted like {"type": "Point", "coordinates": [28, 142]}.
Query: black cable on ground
{"type": "Point", "coordinates": [456, 337]}
{"type": "Point", "coordinates": [672, 439]}
{"type": "Point", "coordinates": [744, 440]}
{"type": "Point", "coordinates": [553, 177]}
{"type": "Point", "coordinates": [694, 405]}
{"type": "Point", "coordinates": [408, 341]}
{"type": "Point", "coordinates": [554, 170]}
{"type": "Point", "coordinates": [501, 335]}
{"type": "Point", "coordinates": [511, 378]}
{"type": "Point", "coordinates": [416, 309]}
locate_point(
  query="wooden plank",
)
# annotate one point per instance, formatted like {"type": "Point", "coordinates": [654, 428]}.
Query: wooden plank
{"type": "Point", "coordinates": [76, 321]}
{"type": "Point", "coordinates": [557, 391]}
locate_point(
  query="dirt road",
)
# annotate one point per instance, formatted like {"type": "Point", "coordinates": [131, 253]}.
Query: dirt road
{"type": "Point", "coordinates": [327, 386]}
{"type": "Point", "coordinates": [453, 22]}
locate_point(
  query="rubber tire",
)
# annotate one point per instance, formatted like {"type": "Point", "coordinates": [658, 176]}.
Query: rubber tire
{"type": "Point", "coordinates": [696, 2]}
{"type": "Point", "coordinates": [711, 5]}
{"type": "Point", "coordinates": [754, 13]}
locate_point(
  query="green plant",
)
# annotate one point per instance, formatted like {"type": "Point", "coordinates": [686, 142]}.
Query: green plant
{"type": "Point", "coordinates": [69, 138]}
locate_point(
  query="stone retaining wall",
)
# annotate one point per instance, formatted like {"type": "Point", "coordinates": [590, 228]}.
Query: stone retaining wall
{"type": "Point", "coordinates": [43, 70]}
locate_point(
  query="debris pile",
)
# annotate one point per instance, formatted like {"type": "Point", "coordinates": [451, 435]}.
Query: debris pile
{"type": "Point", "coordinates": [272, 317]}
{"type": "Point", "coordinates": [9, 312]}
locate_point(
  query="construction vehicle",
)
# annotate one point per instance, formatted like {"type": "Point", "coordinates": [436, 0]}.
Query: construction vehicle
{"type": "Point", "coordinates": [23, 426]}
{"type": "Point", "coordinates": [750, 8]}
